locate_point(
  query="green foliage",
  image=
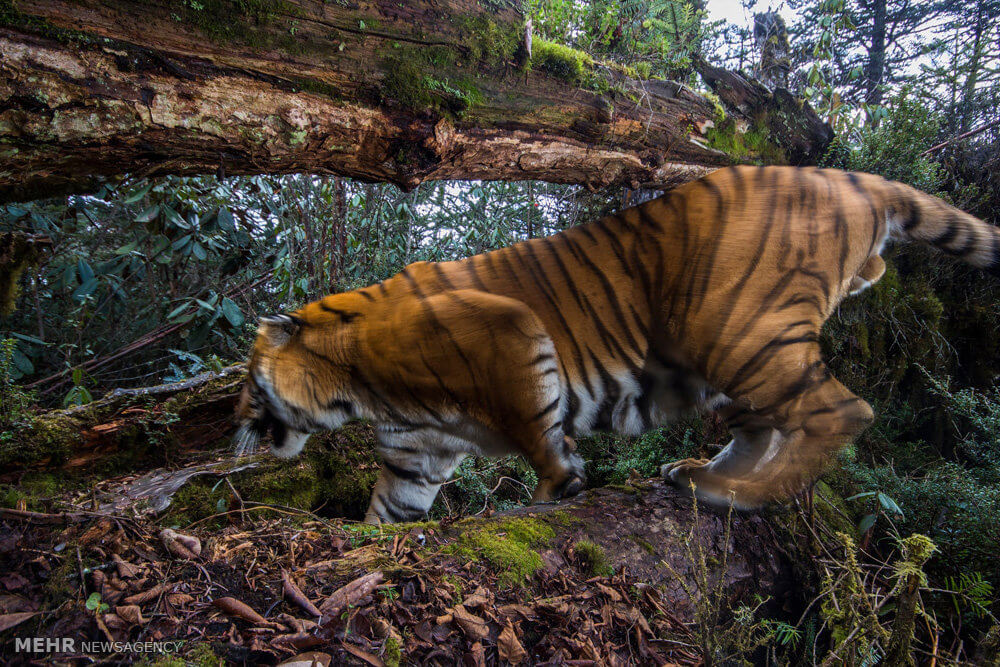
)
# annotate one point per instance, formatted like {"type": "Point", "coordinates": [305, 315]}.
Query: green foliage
{"type": "Point", "coordinates": [611, 459]}
{"type": "Point", "coordinates": [479, 483]}
{"type": "Point", "coordinates": [894, 148]}
{"type": "Point", "coordinates": [14, 401]}
{"type": "Point", "coordinates": [650, 38]}
{"type": "Point", "coordinates": [971, 593]}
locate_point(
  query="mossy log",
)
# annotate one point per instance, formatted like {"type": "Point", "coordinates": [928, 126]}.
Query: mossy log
{"type": "Point", "coordinates": [772, 125]}
{"type": "Point", "coordinates": [377, 90]}
{"type": "Point", "coordinates": [130, 426]}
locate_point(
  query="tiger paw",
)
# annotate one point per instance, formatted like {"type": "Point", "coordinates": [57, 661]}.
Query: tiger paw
{"type": "Point", "coordinates": [548, 491]}
{"type": "Point", "coordinates": [678, 472]}
{"type": "Point", "coordinates": [573, 485]}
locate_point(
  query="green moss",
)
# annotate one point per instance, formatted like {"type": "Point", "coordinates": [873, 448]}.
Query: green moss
{"type": "Point", "coordinates": [561, 518]}
{"type": "Point", "coordinates": [10, 495]}
{"type": "Point", "coordinates": [754, 144]}
{"type": "Point", "coordinates": [42, 440]}
{"type": "Point", "coordinates": [832, 509]}
{"type": "Point", "coordinates": [393, 653]}
{"type": "Point", "coordinates": [459, 587]}
{"type": "Point", "coordinates": [42, 484]}
{"type": "Point", "coordinates": [58, 588]}
{"type": "Point", "coordinates": [319, 87]}
{"type": "Point", "coordinates": [240, 21]}
{"type": "Point", "coordinates": [162, 661]}
{"type": "Point", "coordinates": [196, 500]}
{"type": "Point", "coordinates": [508, 545]}
{"type": "Point", "coordinates": [202, 655]}
{"type": "Point", "coordinates": [292, 484]}
{"type": "Point", "coordinates": [413, 81]}
{"type": "Point", "coordinates": [718, 111]}
{"type": "Point", "coordinates": [643, 69]}
{"type": "Point", "coordinates": [489, 41]}
{"type": "Point", "coordinates": [647, 547]}
{"type": "Point", "coordinates": [592, 558]}
{"type": "Point", "coordinates": [11, 16]}
{"type": "Point", "coordinates": [563, 62]}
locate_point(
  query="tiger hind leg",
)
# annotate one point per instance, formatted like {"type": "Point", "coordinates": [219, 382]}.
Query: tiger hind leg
{"type": "Point", "coordinates": [781, 447]}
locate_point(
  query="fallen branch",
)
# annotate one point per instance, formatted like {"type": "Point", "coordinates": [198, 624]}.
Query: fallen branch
{"type": "Point", "coordinates": [964, 135]}
{"type": "Point", "coordinates": [42, 517]}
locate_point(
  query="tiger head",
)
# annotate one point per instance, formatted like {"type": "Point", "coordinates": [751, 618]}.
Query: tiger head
{"type": "Point", "coordinates": [298, 382]}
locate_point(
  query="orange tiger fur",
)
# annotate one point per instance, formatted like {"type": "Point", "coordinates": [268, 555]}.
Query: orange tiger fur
{"type": "Point", "coordinates": [711, 296]}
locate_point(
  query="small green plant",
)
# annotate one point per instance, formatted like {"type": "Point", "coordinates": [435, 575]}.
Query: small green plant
{"type": "Point", "coordinates": [389, 594]}
{"type": "Point", "coordinates": [719, 643]}
{"type": "Point", "coordinates": [972, 593]}
{"type": "Point", "coordinates": [95, 604]}
{"type": "Point", "coordinates": [79, 394]}
{"type": "Point", "coordinates": [14, 401]}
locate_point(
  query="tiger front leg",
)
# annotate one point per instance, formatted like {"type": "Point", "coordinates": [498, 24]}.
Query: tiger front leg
{"type": "Point", "coordinates": [408, 482]}
{"type": "Point", "coordinates": [560, 469]}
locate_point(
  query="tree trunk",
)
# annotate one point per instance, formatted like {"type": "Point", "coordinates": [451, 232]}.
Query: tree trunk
{"type": "Point", "coordinates": [382, 91]}
{"type": "Point", "coordinates": [875, 69]}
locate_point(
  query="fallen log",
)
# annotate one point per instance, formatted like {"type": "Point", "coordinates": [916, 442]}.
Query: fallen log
{"type": "Point", "coordinates": [381, 91]}
{"type": "Point", "coordinates": [176, 417]}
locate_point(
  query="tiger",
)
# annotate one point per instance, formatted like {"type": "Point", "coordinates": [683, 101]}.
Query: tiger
{"type": "Point", "coordinates": [708, 298]}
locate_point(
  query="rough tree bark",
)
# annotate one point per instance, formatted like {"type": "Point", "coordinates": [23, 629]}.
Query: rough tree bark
{"type": "Point", "coordinates": [376, 90]}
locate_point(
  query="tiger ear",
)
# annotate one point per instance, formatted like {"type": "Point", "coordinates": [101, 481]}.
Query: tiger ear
{"type": "Point", "coordinates": [278, 329]}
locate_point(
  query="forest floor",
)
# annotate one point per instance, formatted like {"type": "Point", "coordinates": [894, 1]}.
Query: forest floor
{"type": "Point", "coordinates": [130, 521]}
{"type": "Point", "coordinates": [589, 581]}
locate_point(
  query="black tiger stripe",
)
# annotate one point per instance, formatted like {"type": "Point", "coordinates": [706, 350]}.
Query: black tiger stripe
{"type": "Point", "coordinates": [542, 283]}
{"type": "Point", "coordinates": [471, 269]}
{"type": "Point", "coordinates": [737, 290]}
{"type": "Point", "coordinates": [947, 236]}
{"type": "Point", "coordinates": [544, 411]}
{"type": "Point", "coordinates": [766, 354]}
{"type": "Point", "coordinates": [873, 210]}
{"type": "Point", "coordinates": [457, 400]}
{"type": "Point", "coordinates": [409, 511]}
{"type": "Point", "coordinates": [568, 279]}
{"type": "Point", "coordinates": [345, 316]}
{"type": "Point", "coordinates": [442, 278]}
{"type": "Point", "coordinates": [617, 249]}
{"type": "Point", "coordinates": [403, 473]}
{"type": "Point", "coordinates": [970, 246]}
{"type": "Point", "coordinates": [609, 341]}
{"type": "Point", "coordinates": [390, 513]}
{"type": "Point", "coordinates": [611, 297]}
